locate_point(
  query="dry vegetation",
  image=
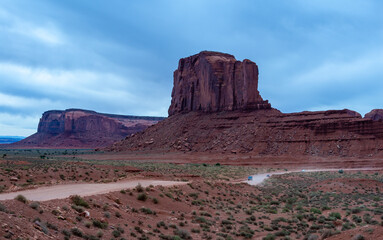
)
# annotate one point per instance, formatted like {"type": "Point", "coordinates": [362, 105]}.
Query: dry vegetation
{"type": "Point", "coordinates": [333, 205]}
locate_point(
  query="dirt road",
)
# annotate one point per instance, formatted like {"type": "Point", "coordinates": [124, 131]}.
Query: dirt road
{"type": "Point", "coordinates": [259, 178]}
{"type": "Point", "coordinates": [82, 189]}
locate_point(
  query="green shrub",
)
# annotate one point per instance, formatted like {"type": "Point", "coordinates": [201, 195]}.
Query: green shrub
{"type": "Point", "coordinates": [139, 188]}
{"type": "Point", "coordinates": [315, 210]}
{"type": "Point", "coordinates": [335, 215]}
{"type": "Point", "coordinates": [116, 233]}
{"type": "Point", "coordinates": [3, 208]}
{"type": "Point", "coordinates": [142, 197]}
{"type": "Point", "coordinates": [182, 233]}
{"type": "Point", "coordinates": [269, 237]}
{"type": "Point", "coordinates": [21, 198]}
{"type": "Point", "coordinates": [34, 205]}
{"type": "Point", "coordinates": [99, 224]}
{"type": "Point", "coordinates": [79, 201]}
{"type": "Point", "coordinates": [77, 232]}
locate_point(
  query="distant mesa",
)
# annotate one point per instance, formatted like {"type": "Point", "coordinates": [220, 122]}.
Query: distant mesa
{"type": "Point", "coordinates": [9, 139]}
{"type": "Point", "coordinates": [212, 82]}
{"type": "Point", "coordinates": [78, 128]}
{"type": "Point", "coordinates": [216, 107]}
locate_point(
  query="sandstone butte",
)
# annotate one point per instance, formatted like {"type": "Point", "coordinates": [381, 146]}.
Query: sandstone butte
{"type": "Point", "coordinates": [216, 107]}
{"type": "Point", "coordinates": [77, 128]}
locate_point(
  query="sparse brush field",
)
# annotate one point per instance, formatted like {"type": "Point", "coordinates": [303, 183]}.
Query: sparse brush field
{"type": "Point", "coordinates": [321, 205]}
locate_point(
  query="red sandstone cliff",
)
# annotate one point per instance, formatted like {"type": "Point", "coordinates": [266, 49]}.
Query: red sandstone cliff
{"type": "Point", "coordinates": [213, 81]}
{"type": "Point", "coordinates": [210, 93]}
{"type": "Point", "coordinates": [376, 115]}
{"type": "Point", "coordinates": [76, 128]}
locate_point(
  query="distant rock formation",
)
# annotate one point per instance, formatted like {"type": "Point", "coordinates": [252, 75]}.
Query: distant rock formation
{"type": "Point", "coordinates": [213, 81]}
{"type": "Point", "coordinates": [211, 90]}
{"type": "Point", "coordinates": [376, 115]}
{"type": "Point", "coordinates": [77, 128]}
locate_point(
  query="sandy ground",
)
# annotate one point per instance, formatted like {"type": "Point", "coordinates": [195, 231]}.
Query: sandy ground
{"type": "Point", "coordinates": [82, 189]}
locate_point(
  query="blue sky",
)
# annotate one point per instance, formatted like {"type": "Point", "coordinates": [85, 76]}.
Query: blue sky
{"type": "Point", "coordinates": [118, 56]}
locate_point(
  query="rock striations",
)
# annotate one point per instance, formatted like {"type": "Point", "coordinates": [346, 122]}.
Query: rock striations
{"type": "Point", "coordinates": [217, 108]}
{"type": "Point", "coordinates": [77, 128]}
{"type": "Point", "coordinates": [212, 82]}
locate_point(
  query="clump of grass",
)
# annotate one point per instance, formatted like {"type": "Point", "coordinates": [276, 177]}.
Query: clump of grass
{"type": "Point", "coordinates": [77, 232]}
{"type": "Point", "coordinates": [99, 224]}
{"type": "Point", "coordinates": [34, 205]}
{"type": "Point", "coordinates": [21, 198]}
{"type": "Point", "coordinates": [139, 188]}
{"type": "Point", "coordinates": [79, 201]}
{"type": "Point", "coordinates": [142, 197]}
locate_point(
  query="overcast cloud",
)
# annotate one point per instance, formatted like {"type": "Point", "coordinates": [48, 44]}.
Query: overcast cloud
{"type": "Point", "coordinates": [119, 56]}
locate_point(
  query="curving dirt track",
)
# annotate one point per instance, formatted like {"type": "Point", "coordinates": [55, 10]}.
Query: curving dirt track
{"type": "Point", "coordinates": [82, 189]}
{"type": "Point", "coordinates": [259, 178]}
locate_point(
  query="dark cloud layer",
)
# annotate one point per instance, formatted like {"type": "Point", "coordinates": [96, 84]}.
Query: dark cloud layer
{"type": "Point", "coordinates": [118, 56]}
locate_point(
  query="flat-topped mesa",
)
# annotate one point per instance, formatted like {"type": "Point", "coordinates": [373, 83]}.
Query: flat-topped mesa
{"type": "Point", "coordinates": [78, 128]}
{"type": "Point", "coordinates": [213, 81]}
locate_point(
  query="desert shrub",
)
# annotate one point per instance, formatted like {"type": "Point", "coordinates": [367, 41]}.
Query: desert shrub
{"type": "Point", "coordinates": [155, 200]}
{"type": "Point", "coordinates": [87, 224]}
{"type": "Point", "coordinates": [52, 226]}
{"type": "Point", "coordinates": [269, 237]}
{"type": "Point", "coordinates": [335, 215]}
{"type": "Point", "coordinates": [195, 230]}
{"type": "Point", "coordinates": [358, 237]}
{"type": "Point", "coordinates": [66, 233]}
{"type": "Point", "coordinates": [3, 208]}
{"type": "Point", "coordinates": [139, 188]}
{"type": "Point", "coordinates": [356, 210]}
{"type": "Point", "coordinates": [147, 211]}
{"type": "Point", "coordinates": [116, 233]}
{"type": "Point", "coordinates": [246, 232]}
{"type": "Point", "coordinates": [107, 214]}
{"type": "Point", "coordinates": [315, 210]}
{"type": "Point", "coordinates": [182, 233]}
{"type": "Point", "coordinates": [78, 209]}
{"type": "Point", "coordinates": [99, 234]}
{"type": "Point", "coordinates": [79, 201]}
{"type": "Point", "coordinates": [21, 198]}
{"type": "Point", "coordinates": [34, 205]}
{"type": "Point", "coordinates": [77, 232]}
{"type": "Point", "coordinates": [142, 197]}
{"type": "Point", "coordinates": [99, 224]}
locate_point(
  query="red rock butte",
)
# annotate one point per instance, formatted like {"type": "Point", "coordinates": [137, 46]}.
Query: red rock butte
{"type": "Point", "coordinates": [216, 107]}
{"type": "Point", "coordinates": [213, 81]}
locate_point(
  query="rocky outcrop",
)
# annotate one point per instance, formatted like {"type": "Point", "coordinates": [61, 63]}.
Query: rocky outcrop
{"type": "Point", "coordinates": [375, 115]}
{"type": "Point", "coordinates": [77, 128]}
{"type": "Point", "coordinates": [262, 132]}
{"type": "Point", "coordinates": [213, 81]}
{"type": "Point", "coordinates": [212, 90]}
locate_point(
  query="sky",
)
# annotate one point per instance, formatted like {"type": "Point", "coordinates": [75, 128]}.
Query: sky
{"type": "Point", "coordinates": [118, 56]}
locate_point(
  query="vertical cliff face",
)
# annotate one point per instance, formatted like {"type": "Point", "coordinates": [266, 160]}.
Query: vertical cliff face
{"type": "Point", "coordinates": [213, 81]}
{"type": "Point", "coordinates": [77, 128]}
